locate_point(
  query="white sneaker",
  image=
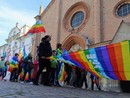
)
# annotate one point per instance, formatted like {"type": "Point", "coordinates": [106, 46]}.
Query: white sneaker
{"type": "Point", "coordinates": [30, 82]}
{"type": "Point", "coordinates": [22, 82]}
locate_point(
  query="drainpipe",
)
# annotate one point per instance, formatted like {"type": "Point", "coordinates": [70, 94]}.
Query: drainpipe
{"type": "Point", "coordinates": [59, 21]}
{"type": "Point", "coordinates": [97, 21]}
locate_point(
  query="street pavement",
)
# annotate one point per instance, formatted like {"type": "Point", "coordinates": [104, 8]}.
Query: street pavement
{"type": "Point", "coordinates": [26, 90]}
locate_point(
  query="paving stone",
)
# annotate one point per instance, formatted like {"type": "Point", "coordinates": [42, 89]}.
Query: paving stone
{"type": "Point", "coordinates": [26, 90]}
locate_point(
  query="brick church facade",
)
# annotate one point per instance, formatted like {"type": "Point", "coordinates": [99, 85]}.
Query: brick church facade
{"type": "Point", "coordinates": [75, 22]}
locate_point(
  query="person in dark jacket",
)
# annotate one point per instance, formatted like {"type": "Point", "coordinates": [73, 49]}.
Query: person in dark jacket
{"type": "Point", "coordinates": [27, 67]}
{"type": "Point", "coordinates": [45, 50]}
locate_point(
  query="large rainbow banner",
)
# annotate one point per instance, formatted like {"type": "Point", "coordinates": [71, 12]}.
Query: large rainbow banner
{"type": "Point", "coordinates": [110, 61]}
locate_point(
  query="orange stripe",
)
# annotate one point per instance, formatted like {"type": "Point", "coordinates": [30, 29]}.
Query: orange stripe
{"type": "Point", "coordinates": [119, 59]}
{"type": "Point", "coordinates": [113, 61]}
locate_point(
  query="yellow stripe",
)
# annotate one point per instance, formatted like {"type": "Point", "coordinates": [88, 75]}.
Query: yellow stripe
{"type": "Point", "coordinates": [126, 58]}
{"type": "Point", "coordinates": [83, 57]}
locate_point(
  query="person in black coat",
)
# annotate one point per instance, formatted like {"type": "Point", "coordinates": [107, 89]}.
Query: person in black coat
{"type": "Point", "coordinates": [45, 50]}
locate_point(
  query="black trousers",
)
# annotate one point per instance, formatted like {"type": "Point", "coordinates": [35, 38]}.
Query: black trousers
{"type": "Point", "coordinates": [92, 83]}
{"type": "Point", "coordinates": [44, 63]}
{"type": "Point", "coordinates": [52, 76]}
{"type": "Point", "coordinates": [68, 77]}
{"type": "Point", "coordinates": [83, 79]}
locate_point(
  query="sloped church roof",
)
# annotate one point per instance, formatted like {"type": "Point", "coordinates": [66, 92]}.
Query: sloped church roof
{"type": "Point", "coordinates": [123, 33]}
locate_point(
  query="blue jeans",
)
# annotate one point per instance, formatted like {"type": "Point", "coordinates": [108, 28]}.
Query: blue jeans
{"type": "Point", "coordinates": [1, 71]}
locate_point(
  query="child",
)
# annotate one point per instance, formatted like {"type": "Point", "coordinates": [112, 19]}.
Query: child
{"type": "Point", "coordinates": [53, 68]}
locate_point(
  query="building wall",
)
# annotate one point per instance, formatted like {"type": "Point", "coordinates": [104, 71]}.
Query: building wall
{"type": "Point", "coordinates": [15, 42]}
{"type": "Point", "coordinates": [88, 28]}
{"type": "Point", "coordinates": [53, 19]}
{"type": "Point", "coordinates": [101, 22]}
{"type": "Point", "coordinates": [110, 21]}
{"type": "Point", "coordinates": [2, 49]}
{"type": "Point", "coordinates": [50, 21]}
{"type": "Point", "coordinates": [122, 34]}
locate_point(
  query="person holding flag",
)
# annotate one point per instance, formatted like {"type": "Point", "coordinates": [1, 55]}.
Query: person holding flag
{"type": "Point", "coordinates": [14, 65]}
{"type": "Point", "coordinates": [22, 56]}
{"type": "Point", "coordinates": [45, 50]}
{"type": "Point", "coordinates": [27, 67]}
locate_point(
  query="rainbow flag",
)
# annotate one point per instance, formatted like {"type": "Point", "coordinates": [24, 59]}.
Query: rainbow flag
{"type": "Point", "coordinates": [36, 28]}
{"type": "Point", "coordinates": [62, 73]}
{"type": "Point", "coordinates": [22, 53]}
{"type": "Point", "coordinates": [21, 75]}
{"type": "Point", "coordinates": [110, 61]}
{"type": "Point", "coordinates": [13, 64]}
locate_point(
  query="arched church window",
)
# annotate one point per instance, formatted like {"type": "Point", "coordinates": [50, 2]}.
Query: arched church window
{"type": "Point", "coordinates": [123, 9]}
{"type": "Point", "coordinates": [77, 19]}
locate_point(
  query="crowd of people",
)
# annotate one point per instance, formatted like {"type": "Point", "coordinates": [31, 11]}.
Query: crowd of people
{"type": "Point", "coordinates": [30, 70]}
